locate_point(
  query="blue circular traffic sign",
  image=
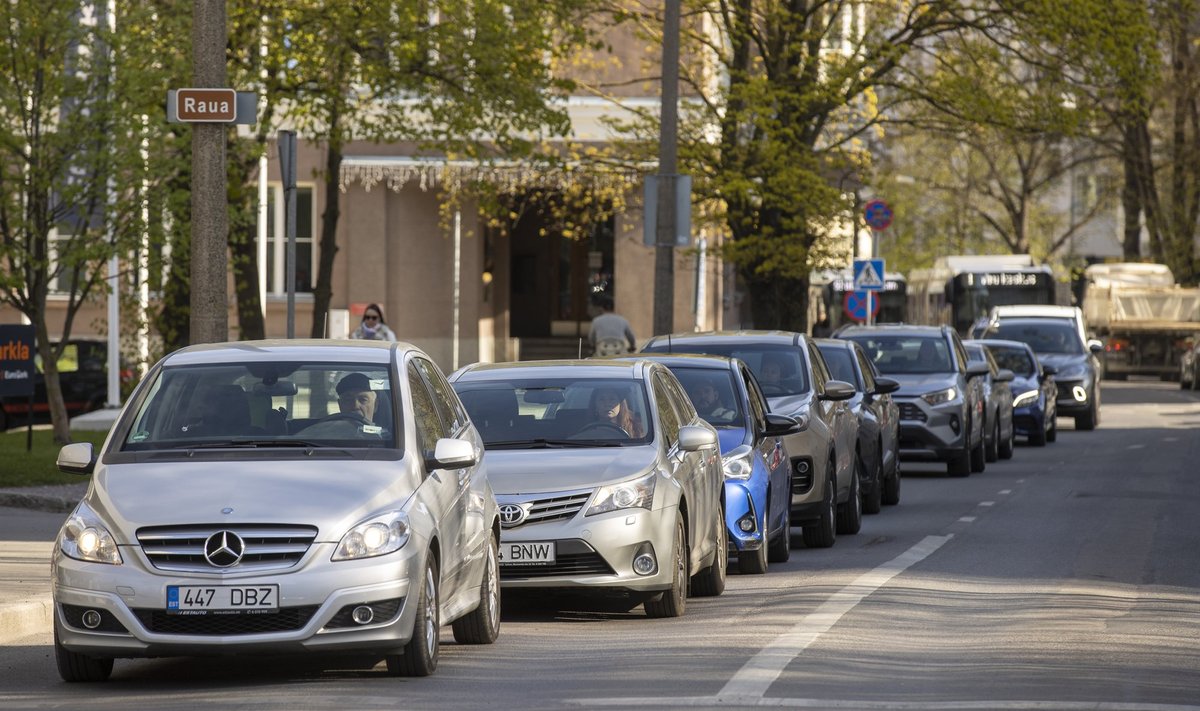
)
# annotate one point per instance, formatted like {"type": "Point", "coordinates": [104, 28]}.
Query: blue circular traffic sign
{"type": "Point", "coordinates": [855, 305]}
{"type": "Point", "coordinates": [878, 214]}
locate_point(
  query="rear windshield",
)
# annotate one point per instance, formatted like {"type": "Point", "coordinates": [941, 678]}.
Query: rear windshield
{"type": "Point", "coordinates": [906, 355]}
{"type": "Point", "coordinates": [779, 369]}
{"type": "Point", "coordinates": [1043, 335]}
{"type": "Point", "coordinates": [1018, 360]}
{"type": "Point", "coordinates": [558, 412]}
{"type": "Point", "coordinates": [284, 404]}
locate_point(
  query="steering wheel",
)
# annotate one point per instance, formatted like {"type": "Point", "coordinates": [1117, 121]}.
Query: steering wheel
{"type": "Point", "coordinates": [770, 388]}
{"type": "Point", "coordinates": [355, 417]}
{"type": "Point", "coordinates": [608, 426]}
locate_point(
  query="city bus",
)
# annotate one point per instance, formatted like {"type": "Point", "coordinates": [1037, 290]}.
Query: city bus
{"type": "Point", "coordinates": [829, 307]}
{"type": "Point", "coordinates": [959, 290]}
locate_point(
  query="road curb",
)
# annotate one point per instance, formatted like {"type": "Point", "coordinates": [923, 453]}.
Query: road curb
{"type": "Point", "coordinates": [38, 502]}
{"type": "Point", "coordinates": [25, 618]}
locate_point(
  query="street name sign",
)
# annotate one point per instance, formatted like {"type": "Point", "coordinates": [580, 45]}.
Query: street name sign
{"type": "Point", "coordinates": [212, 105]}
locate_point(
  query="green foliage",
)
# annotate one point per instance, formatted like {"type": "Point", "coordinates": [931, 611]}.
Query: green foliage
{"type": "Point", "coordinates": [36, 467]}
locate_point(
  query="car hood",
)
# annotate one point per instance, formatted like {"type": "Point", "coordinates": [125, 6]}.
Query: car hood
{"type": "Point", "coordinates": [731, 438]}
{"type": "Point", "coordinates": [533, 471]}
{"type": "Point", "coordinates": [1021, 383]}
{"type": "Point", "coordinates": [790, 404]}
{"type": "Point", "coordinates": [1063, 360]}
{"type": "Point", "coordinates": [917, 384]}
{"type": "Point", "coordinates": [333, 496]}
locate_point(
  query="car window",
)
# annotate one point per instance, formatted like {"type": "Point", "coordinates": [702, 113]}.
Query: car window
{"type": "Point", "coordinates": [840, 362]}
{"type": "Point", "coordinates": [213, 405]}
{"type": "Point", "coordinates": [1018, 360]}
{"type": "Point", "coordinates": [779, 367]}
{"type": "Point", "coordinates": [906, 354]}
{"type": "Point", "coordinates": [444, 399]}
{"type": "Point", "coordinates": [576, 411]}
{"type": "Point", "coordinates": [758, 403]}
{"type": "Point", "coordinates": [666, 411]}
{"type": "Point", "coordinates": [1043, 335]}
{"type": "Point", "coordinates": [820, 371]}
{"type": "Point", "coordinates": [960, 353]}
{"type": "Point", "coordinates": [866, 368]}
{"type": "Point", "coordinates": [713, 394]}
{"type": "Point", "coordinates": [429, 422]}
{"type": "Point", "coordinates": [684, 406]}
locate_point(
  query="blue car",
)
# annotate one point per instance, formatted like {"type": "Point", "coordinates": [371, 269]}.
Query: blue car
{"type": "Point", "coordinates": [1034, 392]}
{"type": "Point", "coordinates": [758, 480]}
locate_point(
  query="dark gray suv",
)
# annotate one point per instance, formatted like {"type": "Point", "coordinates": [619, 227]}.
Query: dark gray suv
{"type": "Point", "coordinates": [940, 397]}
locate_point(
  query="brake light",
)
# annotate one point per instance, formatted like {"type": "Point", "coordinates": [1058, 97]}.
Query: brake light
{"type": "Point", "coordinates": [1117, 344]}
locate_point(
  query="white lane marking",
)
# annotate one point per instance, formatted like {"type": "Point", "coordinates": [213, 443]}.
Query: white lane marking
{"type": "Point", "coordinates": [1136, 446]}
{"type": "Point", "coordinates": [1170, 439]}
{"type": "Point", "coordinates": [775, 702]}
{"type": "Point", "coordinates": [987, 503]}
{"type": "Point", "coordinates": [757, 675]}
{"type": "Point", "coordinates": [967, 519]}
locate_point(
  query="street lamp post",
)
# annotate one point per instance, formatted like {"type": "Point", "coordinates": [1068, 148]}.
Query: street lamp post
{"type": "Point", "coordinates": [665, 229]}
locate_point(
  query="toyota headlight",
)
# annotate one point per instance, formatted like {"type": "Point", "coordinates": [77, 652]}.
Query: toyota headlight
{"type": "Point", "coordinates": [633, 494]}
{"type": "Point", "coordinates": [940, 397]}
{"type": "Point", "coordinates": [376, 536]}
{"type": "Point", "coordinates": [84, 537]}
{"type": "Point", "coordinates": [737, 463]}
{"type": "Point", "coordinates": [1026, 398]}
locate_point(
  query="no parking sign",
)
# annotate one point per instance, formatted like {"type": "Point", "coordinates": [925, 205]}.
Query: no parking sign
{"type": "Point", "coordinates": [855, 306]}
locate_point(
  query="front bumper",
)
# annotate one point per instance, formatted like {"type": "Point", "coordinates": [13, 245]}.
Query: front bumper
{"type": "Point", "coordinates": [1074, 397]}
{"type": "Point", "coordinates": [314, 598]}
{"type": "Point", "coordinates": [932, 432]}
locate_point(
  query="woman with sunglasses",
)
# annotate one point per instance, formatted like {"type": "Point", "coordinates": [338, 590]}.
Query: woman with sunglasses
{"type": "Point", "coordinates": [373, 327]}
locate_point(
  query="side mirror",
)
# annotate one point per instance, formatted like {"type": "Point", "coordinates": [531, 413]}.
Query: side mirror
{"type": "Point", "coordinates": [883, 386]}
{"type": "Point", "coordinates": [974, 370]}
{"type": "Point", "coordinates": [77, 458]}
{"type": "Point", "coordinates": [452, 454]}
{"type": "Point", "coordinates": [1095, 346]}
{"type": "Point", "coordinates": [838, 390]}
{"type": "Point", "coordinates": [693, 438]}
{"type": "Point", "coordinates": [1004, 375]}
{"type": "Point", "coordinates": [780, 425]}
{"type": "Point", "coordinates": [1048, 370]}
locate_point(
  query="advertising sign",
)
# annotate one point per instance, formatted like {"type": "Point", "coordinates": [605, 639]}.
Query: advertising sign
{"type": "Point", "coordinates": [16, 361]}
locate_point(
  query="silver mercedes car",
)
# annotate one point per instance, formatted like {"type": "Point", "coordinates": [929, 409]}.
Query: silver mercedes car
{"type": "Point", "coordinates": [275, 497]}
{"type": "Point", "coordinates": [608, 481]}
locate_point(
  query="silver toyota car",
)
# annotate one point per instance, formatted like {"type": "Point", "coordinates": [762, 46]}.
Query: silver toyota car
{"type": "Point", "coordinates": [608, 480]}
{"type": "Point", "coordinates": [275, 497]}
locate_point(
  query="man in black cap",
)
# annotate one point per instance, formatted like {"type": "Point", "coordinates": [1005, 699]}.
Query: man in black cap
{"type": "Point", "coordinates": [356, 397]}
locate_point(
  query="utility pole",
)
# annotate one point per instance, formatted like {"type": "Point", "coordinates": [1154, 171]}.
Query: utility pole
{"type": "Point", "coordinates": [210, 217]}
{"type": "Point", "coordinates": [664, 251]}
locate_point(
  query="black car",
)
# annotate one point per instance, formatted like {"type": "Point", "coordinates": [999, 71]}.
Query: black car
{"type": "Point", "coordinates": [878, 420]}
{"type": "Point", "coordinates": [83, 374]}
{"type": "Point", "coordinates": [999, 433]}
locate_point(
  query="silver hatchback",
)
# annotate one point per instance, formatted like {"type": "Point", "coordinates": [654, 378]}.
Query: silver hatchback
{"type": "Point", "coordinates": [276, 497]}
{"type": "Point", "coordinates": [608, 480]}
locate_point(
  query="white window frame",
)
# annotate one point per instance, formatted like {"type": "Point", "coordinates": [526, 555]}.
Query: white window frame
{"type": "Point", "coordinates": [276, 273]}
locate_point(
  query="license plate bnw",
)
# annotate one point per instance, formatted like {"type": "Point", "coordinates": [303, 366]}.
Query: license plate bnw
{"type": "Point", "coordinates": [222, 599]}
{"type": "Point", "coordinates": [527, 553]}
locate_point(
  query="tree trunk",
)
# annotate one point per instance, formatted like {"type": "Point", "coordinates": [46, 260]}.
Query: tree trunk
{"type": "Point", "coordinates": [1131, 201]}
{"type": "Point", "coordinates": [243, 240]}
{"type": "Point", "coordinates": [54, 397]}
{"type": "Point", "coordinates": [323, 290]}
{"type": "Point", "coordinates": [777, 303]}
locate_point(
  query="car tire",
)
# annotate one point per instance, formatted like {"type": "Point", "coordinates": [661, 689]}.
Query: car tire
{"type": "Point", "coordinates": [1052, 433]}
{"type": "Point", "coordinates": [849, 515]}
{"type": "Point", "coordinates": [978, 458]}
{"type": "Point", "coordinates": [75, 667]}
{"type": "Point", "coordinates": [891, 488]}
{"type": "Point", "coordinates": [1038, 438]}
{"type": "Point", "coordinates": [1007, 446]}
{"type": "Point", "coordinates": [482, 625]}
{"type": "Point", "coordinates": [1087, 421]}
{"type": "Point", "coordinates": [872, 501]}
{"type": "Point", "coordinates": [673, 602]}
{"type": "Point", "coordinates": [753, 562]}
{"type": "Point", "coordinates": [823, 533]}
{"type": "Point", "coordinates": [420, 655]}
{"type": "Point", "coordinates": [960, 464]}
{"type": "Point", "coordinates": [781, 547]}
{"type": "Point", "coordinates": [991, 450]}
{"type": "Point", "coordinates": [710, 582]}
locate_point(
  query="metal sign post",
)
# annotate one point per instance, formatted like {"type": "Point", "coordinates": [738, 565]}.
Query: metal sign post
{"type": "Point", "coordinates": [287, 169]}
{"type": "Point", "coordinates": [878, 216]}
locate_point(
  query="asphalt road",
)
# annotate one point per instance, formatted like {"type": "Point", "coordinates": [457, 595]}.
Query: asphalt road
{"type": "Point", "coordinates": [1065, 578]}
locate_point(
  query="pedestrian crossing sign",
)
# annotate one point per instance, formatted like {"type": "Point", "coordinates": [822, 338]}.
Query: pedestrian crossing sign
{"type": "Point", "coordinates": [868, 275]}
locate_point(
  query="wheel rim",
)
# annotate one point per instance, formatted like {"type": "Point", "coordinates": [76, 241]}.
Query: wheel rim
{"type": "Point", "coordinates": [680, 583]}
{"type": "Point", "coordinates": [431, 613]}
{"type": "Point", "coordinates": [831, 497]}
{"type": "Point", "coordinates": [492, 593]}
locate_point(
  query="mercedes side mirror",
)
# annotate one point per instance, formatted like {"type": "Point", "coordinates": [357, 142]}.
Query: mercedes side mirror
{"type": "Point", "coordinates": [452, 454]}
{"type": "Point", "coordinates": [77, 458]}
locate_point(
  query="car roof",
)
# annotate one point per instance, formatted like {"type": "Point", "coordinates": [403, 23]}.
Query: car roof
{"type": "Point", "coordinates": [589, 368]}
{"type": "Point", "coordinates": [1001, 342]}
{"type": "Point", "coordinates": [901, 329]}
{"type": "Point", "coordinates": [744, 336]}
{"type": "Point", "coordinates": [1036, 310]}
{"type": "Point", "coordinates": [692, 360]}
{"type": "Point", "coordinates": [318, 349]}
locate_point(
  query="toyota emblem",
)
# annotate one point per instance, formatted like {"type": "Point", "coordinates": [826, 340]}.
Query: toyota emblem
{"type": "Point", "coordinates": [511, 514]}
{"type": "Point", "coordinates": [224, 549]}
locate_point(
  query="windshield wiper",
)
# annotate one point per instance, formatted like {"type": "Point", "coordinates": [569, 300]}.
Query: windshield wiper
{"type": "Point", "coordinates": [543, 443]}
{"type": "Point", "coordinates": [253, 443]}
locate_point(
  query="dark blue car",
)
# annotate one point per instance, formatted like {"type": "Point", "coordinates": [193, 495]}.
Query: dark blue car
{"type": "Point", "coordinates": [757, 471]}
{"type": "Point", "coordinates": [1035, 394]}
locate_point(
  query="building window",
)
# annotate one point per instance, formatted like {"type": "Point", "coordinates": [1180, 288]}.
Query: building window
{"type": "Point", "coordinates": [277, 240]}
{"type": "Point", "coordinates": [62, 273]}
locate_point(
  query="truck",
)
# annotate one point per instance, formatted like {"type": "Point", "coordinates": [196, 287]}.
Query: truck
{"type": "Point", "coordinates": [1142, 316]}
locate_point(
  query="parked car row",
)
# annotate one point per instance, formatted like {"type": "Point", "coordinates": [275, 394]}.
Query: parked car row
{"type": "Point", "coordinates": [326, 496]}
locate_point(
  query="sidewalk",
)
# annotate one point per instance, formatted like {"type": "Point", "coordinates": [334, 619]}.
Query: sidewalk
{"type": "Point", "coordinates": [26, 542]}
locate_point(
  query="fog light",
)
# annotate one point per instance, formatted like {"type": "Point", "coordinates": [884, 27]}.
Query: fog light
{"type": "Point", "coordinates": [802, 466]}
{"type": "Point", "coordinates": [363, 614]}
{"type": "Point", "coordinates": [91, 619]}
{"type": "Point", "coordinates": [954, 423]}
{"type": "Point", "coordinates": [1079, 393]}
{"type": "Point", "coordinates": [746, 523]}
{"type": "Point", "coordinates": [644, 564]}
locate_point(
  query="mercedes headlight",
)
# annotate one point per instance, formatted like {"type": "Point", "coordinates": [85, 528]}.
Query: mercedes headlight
{"type": "Point", "coordinates": [376, 536]}
{"type": "Point", "coordinates": [633, 494]}
{"type": "Point", "coordinates": [1026, 398]}
{"type": "Point", "coordinates": [84, 537]}
{"type": "Point", "coordinates": [737, 463]}
{"type": "Point", "coordinates": [940, 397]}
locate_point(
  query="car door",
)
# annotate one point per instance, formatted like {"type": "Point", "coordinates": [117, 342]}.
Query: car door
{"type": "Point", "coordinates": [883, 409]}
{"type": "Point", "coordinates": [841, 420]}
{"type": "Point", "coordinates": [771, 449]}
{"type": "Point", "coordinates": [707, 470]}
{"type": "Point", "coordinates": [972, 387]}
{"type": "Point", "coordinates": [683, 466]}
{"type": "Point", "coordinates": [442, 490]}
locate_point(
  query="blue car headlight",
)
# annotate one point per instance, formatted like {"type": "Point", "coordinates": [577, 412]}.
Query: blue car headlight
{"type": "Point", "coordinates": [1026, 398]}
{"type": "Point", "coordinates": [737, 463]}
